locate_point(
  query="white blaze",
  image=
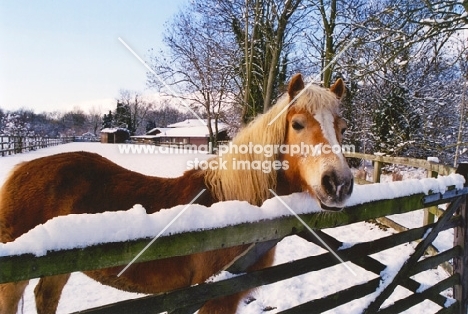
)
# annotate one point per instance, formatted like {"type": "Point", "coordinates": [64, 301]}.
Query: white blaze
{"type": "Point", "coordinates": [327, 123]}
{"type": "Point", "coordinates": [326, 120]}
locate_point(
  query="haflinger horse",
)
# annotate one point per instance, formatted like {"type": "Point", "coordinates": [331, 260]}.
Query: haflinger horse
{"type": "Point", "coordinates": [82, 182]}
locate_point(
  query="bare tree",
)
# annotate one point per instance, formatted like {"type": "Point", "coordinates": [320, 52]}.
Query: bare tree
{"type": "Point", "coordinates": [18, 123]}
{"type": "Point", "coordinates": [199, 63]}
{"type": "Point", "coordinates": [265, 34]}
{"type": "Point", "coordinates": [403, 73]}
{"type": "Point", "coordinates": [163, 115]}
{"type": "Point", "coordinates": [463, 116]}
{"type": "Point", "coordinates": [329, 38]}
{"type": "Point", "coordinates": [95, 119]}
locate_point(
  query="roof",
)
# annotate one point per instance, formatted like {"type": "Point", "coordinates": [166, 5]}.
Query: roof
{"type": "Point", "coordinates": [196, 131]}
{"type": "Point", "coordinates": [188, 123]}
{"type": "Point", "coordinates": [187, 128]}
{"type": "Point", "coordinates": [113, 130]}
{"type": "Point", "coordinates": [149, 137]}
{"type": "Point", "coordinates": [156, 129]}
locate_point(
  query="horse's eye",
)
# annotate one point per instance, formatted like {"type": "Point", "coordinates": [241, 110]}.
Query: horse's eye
{"type": "Point", "coordinates": [297, 126]}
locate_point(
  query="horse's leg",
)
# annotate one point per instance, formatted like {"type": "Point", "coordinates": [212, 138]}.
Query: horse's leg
{"type": "Point", "coordinates": [229, 304]}
{"type": "Point", "coordinates": [10, 295]}
{"type": "Point", "coordinates": [48, 292]}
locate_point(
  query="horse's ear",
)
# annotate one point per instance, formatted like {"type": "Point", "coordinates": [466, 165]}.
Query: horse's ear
{"type": "Point", "coordinates": [338, 88]}
{"type": "Point", "coordinates": [295, 85]}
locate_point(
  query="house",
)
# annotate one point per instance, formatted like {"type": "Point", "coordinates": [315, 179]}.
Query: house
{"type": "Point", "coordinates": [86, 137]}
{"type": "Point", "coordinates": [190, 131]}
{"type": "Point", "coordinates": [114, 135]}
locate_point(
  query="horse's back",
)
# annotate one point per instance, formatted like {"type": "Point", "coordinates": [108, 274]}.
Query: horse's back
{"type": "Point", "coordinates": [43, 188]}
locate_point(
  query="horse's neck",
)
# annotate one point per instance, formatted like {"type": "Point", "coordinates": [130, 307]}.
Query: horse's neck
{"type": "Point", "coordinates": [170, 192]}
{"type": "Point", "coordinates": [190, 184]}
{"type": "Point", "coordinates": [284, 186]}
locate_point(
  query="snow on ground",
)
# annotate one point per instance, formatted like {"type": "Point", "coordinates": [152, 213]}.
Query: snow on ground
{"type": "Point", "coordinates": [82, 292]}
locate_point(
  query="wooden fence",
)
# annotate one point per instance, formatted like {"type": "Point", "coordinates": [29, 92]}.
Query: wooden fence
{"type": "Point", "coordinates": [379, 161]}
{"type": "Point", "coordinates": [265, 234]}
{"type": "Point", "coordinates": [433, 169]}
{"type": "Point", "coordinates": [19, 144]}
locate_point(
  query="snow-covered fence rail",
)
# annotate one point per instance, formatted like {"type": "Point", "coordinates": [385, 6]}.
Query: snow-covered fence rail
{"type": "Point", "coordinates": [19, 144]}
{"type": "Point", "coordinates": [367, 202]}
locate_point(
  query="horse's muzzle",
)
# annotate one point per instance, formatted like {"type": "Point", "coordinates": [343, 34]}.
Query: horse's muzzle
{"type": "Point", "coordinates": [336, 189]}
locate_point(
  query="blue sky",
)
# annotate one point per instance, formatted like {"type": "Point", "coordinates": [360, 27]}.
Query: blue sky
{"type": "Point", "coordinates": [56, 55]}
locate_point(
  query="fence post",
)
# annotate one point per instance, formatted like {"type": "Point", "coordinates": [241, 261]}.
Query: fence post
{"type": "Point", "coordinates": [460, 263]}
{"type": "Point", "coordinates": [429, 212]}
{"type": "Point", "coordinates": [377, 171]}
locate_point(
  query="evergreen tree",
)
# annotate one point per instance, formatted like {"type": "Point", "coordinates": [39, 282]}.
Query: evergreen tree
{"type": "Point", "coordinates": [107, 120]}
{"type": "Point", "coordinates": [122, 117]}
{"type": "Point", "coordinates": [394, 122]}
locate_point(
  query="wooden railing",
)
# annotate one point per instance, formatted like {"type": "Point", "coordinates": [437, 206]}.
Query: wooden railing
{"type": "Point", "coordinates": [433, 169]}
{"type": "Point", "coordinates": [378, 162]}
{"type": "Point", "coordinates": [10, 145]}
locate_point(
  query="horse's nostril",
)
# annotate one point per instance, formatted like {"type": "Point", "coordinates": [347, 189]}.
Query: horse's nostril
{"type": "Point", "coordinates": [329, 182]}
{"type": "Point", "coordinates": [337, 186]}
{"type": "Point", "coordinates": [350, 186]}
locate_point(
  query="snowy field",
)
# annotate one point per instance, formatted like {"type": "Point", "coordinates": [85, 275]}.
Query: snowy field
{"type": "Point", "coordinates": [82, 293]}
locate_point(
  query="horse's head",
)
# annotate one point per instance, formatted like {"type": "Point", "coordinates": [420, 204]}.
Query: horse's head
{"type": "Point", "coordinates": [314, 134]}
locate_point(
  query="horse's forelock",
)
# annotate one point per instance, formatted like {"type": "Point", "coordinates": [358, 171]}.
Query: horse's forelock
{"type": "Point", "coordinates": [314, 98]}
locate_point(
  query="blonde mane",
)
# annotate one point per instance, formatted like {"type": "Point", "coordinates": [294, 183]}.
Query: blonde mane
{"type": "Point", "coordinates": [253, 185]}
